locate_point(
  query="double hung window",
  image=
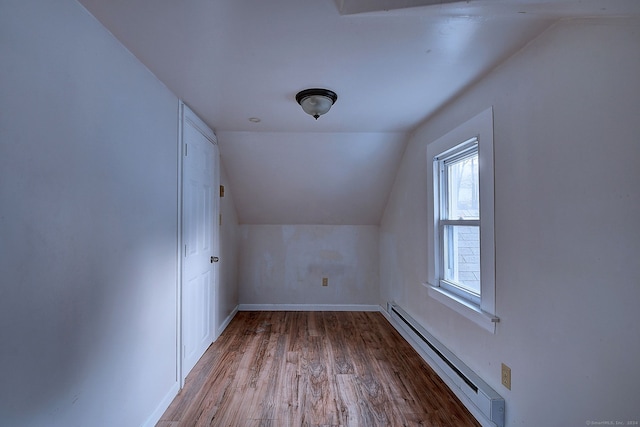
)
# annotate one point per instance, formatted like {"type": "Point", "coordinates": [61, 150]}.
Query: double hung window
{"type": "Point", "coordinates": [459, 220]}
{"type": "Point", "coordinates": [461, 267]}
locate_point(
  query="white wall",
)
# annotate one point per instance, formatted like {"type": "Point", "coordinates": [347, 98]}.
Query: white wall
{"type": "Point", "coordinates": [88, 224]}
{"type": "Point", "coordinates": [566, 129]}
{"type": "Point", "coordinates": [285, 264]}
{"type": "Point", "coordinates": [229, 252]}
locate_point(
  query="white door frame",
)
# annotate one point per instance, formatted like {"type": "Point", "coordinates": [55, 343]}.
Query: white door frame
{"type": "Point", "coordinates": [185, 113]}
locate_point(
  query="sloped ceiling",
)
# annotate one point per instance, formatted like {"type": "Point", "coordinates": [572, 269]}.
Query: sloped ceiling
{"type": "Point", "coordinates": [393, 63]}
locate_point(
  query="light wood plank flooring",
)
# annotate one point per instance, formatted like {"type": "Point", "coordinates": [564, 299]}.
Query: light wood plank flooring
{"type": "Point", "coordinates": [286, 369]}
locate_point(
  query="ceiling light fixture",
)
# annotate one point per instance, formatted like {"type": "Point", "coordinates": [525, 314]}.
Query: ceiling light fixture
{"type": "Point", "coordinates": [316, 102]}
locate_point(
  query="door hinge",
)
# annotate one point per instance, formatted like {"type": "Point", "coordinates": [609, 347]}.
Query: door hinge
{"type": "Point", "coordinates": [186, 149]}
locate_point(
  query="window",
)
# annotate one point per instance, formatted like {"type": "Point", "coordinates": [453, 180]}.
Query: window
{"type": "Point", "coordinates": [459, 220]}
{"type": "Point", "coordinates": [461, 265]}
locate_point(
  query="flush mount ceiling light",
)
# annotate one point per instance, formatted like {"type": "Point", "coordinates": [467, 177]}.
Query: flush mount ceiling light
{"type": "Point", "coordinates": [316, 102]}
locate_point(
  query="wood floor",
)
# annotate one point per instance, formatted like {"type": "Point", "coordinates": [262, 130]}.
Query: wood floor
{"type": "Point", "coordinates": [286, 369]}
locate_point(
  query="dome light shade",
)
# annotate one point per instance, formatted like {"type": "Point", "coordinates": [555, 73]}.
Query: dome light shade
{"type": "Point", "coordinates": [316, 102]}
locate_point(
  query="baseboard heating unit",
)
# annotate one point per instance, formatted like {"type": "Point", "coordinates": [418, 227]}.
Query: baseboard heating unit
{"type": "Point", "coordinates": [488, 402]}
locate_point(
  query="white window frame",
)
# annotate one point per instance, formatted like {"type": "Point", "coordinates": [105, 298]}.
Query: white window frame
{"type": "Point", "coordinates": [482, 310]}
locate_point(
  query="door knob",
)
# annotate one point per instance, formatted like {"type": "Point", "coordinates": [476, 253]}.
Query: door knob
{"type": "Point", "coordinates": [214, 259]}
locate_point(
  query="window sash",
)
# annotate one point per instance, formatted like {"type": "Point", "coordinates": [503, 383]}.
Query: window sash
{"type": "Point", "coordinates": [458, 153]}
{"type": "Point", "coordinates": [443, 161]}
{"type": "Point", "coordinates": [449, 255]}
{"type": "Point", "coordinates": [461, 222]}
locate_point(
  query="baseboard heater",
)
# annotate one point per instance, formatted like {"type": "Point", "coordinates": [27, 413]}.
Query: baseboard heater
{"type": "Point", "coordinates": [488, 402]}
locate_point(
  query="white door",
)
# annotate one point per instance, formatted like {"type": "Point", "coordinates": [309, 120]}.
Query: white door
{"type": "Point", "coordinates": [200, 177]}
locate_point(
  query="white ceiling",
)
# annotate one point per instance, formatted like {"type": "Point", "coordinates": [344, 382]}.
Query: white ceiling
{"type": "Point", "coordinates": [392, 63]}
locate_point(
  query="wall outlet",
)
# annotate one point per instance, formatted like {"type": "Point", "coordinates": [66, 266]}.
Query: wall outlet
{"type": "Point", "coordinates": [325, 281]}
{"type": "Point", "coordinates": [506, 376]}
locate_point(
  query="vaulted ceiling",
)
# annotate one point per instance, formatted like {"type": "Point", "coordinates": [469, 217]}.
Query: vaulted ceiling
{"type": "Point", "coordinates": [393, 63]}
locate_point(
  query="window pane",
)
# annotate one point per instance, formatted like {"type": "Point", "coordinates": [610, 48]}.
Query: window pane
{"type": "Point", "coordinates": [462, 256]}
{"type": "Point", "coordinates": [463, 201]}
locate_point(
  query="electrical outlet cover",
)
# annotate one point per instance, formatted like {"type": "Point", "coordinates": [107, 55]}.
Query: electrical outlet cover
{"type": "Point", "coordinates": [506, 376]}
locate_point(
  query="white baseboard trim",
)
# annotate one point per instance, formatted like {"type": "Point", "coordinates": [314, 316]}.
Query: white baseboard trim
{"type": "Point", "coordinates": [164, 404]}
{"type": "Point", "coordinates": [228, 320]}
{"type": "Point", "coordinates": [308, 307]}
{"type": "Point", "coordinates": [477, 414]}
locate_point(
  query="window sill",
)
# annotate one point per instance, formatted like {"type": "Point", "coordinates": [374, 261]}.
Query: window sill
{"type": "Point", "coordinates": [467, 309]}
